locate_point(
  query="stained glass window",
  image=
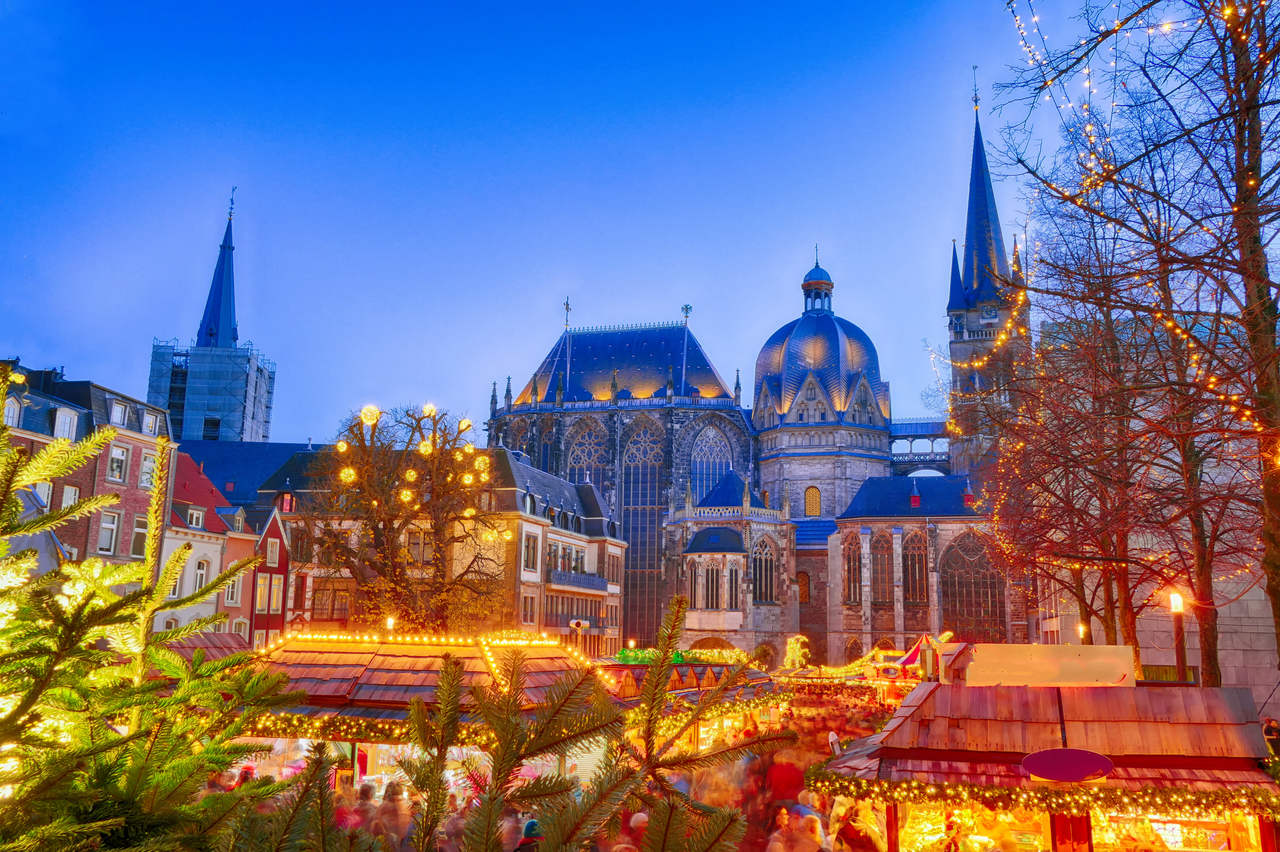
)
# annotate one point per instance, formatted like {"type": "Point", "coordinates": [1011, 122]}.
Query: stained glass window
{"type": "Point", "coordinates": [764, 571]}
{"type": "Point", "coordinates": [881, 570]}
{"type": "Point", "coordinates": [587, 459]}
{"type": "Point", "coordinates": [972, 593]}
{"type": "Point", "coordinates": [915, 574]}
{"type": "Point", "coordinates": [642, 462]}
{"type": "Point", "coordinates": [853, 569]}
{"type": "Point", "coordinates": [710, 459]}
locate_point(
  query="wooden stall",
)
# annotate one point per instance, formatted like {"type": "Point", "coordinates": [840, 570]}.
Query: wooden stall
{"type": "Point", "coordinates": [969, 767]}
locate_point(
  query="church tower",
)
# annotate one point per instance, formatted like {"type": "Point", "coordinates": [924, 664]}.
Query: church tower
{"type": "Point", "coordinates": [980, 308]}
{"type": "Point", "coordinates": [215, 389]}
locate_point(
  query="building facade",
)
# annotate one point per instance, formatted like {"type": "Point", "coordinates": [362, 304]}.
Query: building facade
{"type": "Point", "coordinates": [214, 389]}
{"type": "Point", "coordinates": [641, 412]}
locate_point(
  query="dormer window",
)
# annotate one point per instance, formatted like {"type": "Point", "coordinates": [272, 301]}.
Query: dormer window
{"type": "Point", "coordinates": [118, 414]}
{"type": "Point", "coordinates": [64, 424]}
{"type": "Point", "coordinates": [12, 411]}
{"type": "Point", "coordinates": [150, 423]}
{"type": "Point", "coordinates": [195, 518]}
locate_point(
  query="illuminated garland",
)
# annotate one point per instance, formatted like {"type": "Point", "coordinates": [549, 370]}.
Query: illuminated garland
{"type": "Point", "coordinates": [1179, 803]}
{"type": "Point", "coordinates": [355, 729]}
{"type": "Point", "coordinates": [678, 718]}
{"type": "Point", "coordinates": [711, 656]}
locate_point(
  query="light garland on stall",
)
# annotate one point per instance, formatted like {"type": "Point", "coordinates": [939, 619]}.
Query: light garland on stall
{"type": "Point", "coordinates": [735, 707]}
{"type": "Point", "coordinates": [1180, 803]}
{"type": "Point", "coordinates": [356, 729]}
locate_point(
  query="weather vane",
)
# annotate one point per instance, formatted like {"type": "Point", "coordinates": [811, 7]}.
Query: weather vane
{"type": "Point", "coordinates": [975, 87]}
{"type": "Point", "coordinates": [231, 206]}
{"type": "Point", "coordinates": [686, 310]}
{"type": "Point", "coordinates": [566, 311]}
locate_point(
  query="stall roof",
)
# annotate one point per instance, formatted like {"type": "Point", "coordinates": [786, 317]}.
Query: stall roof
{"type": "Point", "coordinates": [1156, 736]}
{"type": "Point", "coordinates": [337, 671]}
{"type": "Point", "coordinates": [688, 681]}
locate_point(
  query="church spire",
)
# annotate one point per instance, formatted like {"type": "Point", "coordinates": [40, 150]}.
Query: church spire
{"type": "Point", "coordinates": [218, 325]}
{"type": "Point", "coordinates": [984, 264]}
{"type": "Point", "coordinates": [957, 300]}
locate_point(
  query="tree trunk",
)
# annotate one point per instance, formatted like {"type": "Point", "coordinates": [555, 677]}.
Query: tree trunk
{"type": "Point", "coordinates": [1109, 608]}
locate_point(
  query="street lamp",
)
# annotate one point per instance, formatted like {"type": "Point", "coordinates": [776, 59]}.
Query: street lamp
{"type": "Point", "coordinates": [1179, 637]}
{"type": "Point", "coordinates": [1083, 630]}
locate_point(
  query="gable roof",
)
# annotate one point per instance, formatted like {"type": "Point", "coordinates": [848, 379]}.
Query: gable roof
{"type": "Point", "coordinates": [192, 488]}
{"type": "Point", "coordinates": [644, 356]}
{"type": "Point", "coordinates": [728, 492]}
{"type": "Point", "coordinates": [890, 497]}
{"type": "Point", "coordinates": [513, 476]}
{"type": "Point", "coordinates": [238, 468]}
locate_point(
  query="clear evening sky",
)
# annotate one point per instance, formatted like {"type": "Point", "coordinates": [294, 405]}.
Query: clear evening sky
{"type": "Point", "coordinates": [420, 189]}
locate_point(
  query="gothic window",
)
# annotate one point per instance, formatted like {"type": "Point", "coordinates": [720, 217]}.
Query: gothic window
{"type": "Point", "coordinates": [642, 463]}
{"type": "Point", "coordinates": [812, 502]}
{"type": "Point", "coordinates": [764, 572]}
{"type": "Point", "coordinates": [518, 436]}
{"type": "Point", "coordinates": [915, 575]}
{"type": "Point", "coordinates": [693, 584]}
{"type": "Point", "coordinates": [734, 582]}
{"type": "Point", "coordinates": [711, 590]}
{"type": "Point", "coordinates": [764, 496]}
{"type": "Point", "coordinates": [881, 570]}
{"type": "Point", "coordinates": [972, 593]}
{"type": "Point", "coordinates": [587, 459]}
{"type": "Point", "coordinates": [811, 392]}
{"type": "Point", "coordinates": [709, 460]}
{"type": "Point", "coordinates": [853, 569]}
{"type": "Point", "coordinates": [802, 586]}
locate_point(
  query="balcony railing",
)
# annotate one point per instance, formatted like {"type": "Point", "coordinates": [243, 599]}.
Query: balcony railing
{"type": "Point", "coordinates": [582, 581]}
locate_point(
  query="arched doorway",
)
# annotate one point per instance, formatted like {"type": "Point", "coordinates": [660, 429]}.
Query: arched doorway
{"type": "Point", "coordinates": [711, 643]}
{"type": "Point", "coordinates": [853, 650]}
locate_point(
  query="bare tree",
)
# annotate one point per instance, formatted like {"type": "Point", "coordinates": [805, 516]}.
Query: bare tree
{"type": "Point", "coordinates": [403, 507]}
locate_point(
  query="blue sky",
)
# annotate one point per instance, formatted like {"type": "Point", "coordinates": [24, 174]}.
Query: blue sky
{"type": "Point", "coordinates": [420, 189]}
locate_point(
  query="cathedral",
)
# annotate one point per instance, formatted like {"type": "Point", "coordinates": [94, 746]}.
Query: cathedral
{"type": "Point", "coordinates": [813, 511]}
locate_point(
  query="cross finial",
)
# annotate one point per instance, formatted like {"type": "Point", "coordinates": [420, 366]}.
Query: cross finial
{"type": "Point", "coordinates": [567, 308]}
{"type": "Point", "coordinates": [686, 310]}
{"type": "Point", "coordinates": [976, 97]}
{"type": "Point", "coordinates": [231, 206]}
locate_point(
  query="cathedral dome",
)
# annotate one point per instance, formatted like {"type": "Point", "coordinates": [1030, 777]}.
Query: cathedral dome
{"type": "Point", "coordinates": [837, 354]}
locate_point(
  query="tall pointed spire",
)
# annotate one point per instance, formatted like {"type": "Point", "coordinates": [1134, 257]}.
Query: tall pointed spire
{"type": "Point", "coordinates": [218, 325]}
{"type": "Point", "coordinates": [984, 264]}
{"type": "Point", "coordinates": [957, 300]}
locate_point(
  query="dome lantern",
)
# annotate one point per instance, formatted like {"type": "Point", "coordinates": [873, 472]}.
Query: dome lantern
{"type": "Point", "coordinates": [817, 289]}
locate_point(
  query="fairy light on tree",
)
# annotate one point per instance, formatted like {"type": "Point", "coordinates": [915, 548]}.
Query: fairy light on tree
{"type": "Point", "coordinates": [401, 509]}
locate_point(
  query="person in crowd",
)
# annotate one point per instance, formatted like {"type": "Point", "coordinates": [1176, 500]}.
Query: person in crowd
{"type": "Point", "coordinates": [390, 820]}
{"type": "Point", "coordinates": [365, 811]}
{"type": "Point", "coordinates": [531, 840]}
{"type": "Point", "coordinates": [635, 828]}
{"type": "Point", "coordinates": [781, 834]}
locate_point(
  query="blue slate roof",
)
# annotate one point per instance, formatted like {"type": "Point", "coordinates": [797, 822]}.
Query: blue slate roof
{"type": "Point", "coordinates": [832, 349]}
{"type": "Point", "coordinates": [957, 301]}
{"type": "Point", "coordinates": [728, 492]}
{"type": "Point", "coordinates": [239, 468]}
{"type": "Point", "coordinates": [984, 265]}
{"type": "Point", "coordinates": [644, 357]}
{"type": "Point", "coordinates": [890, 497]}
{"type": "Point", "coordinates": [716, 540]}
{"type": "Point", "coordinates": [818, 274]}
{"type": "Point", "coordinates": [218, 325]}
{"type": "Point", "coordinates": [813, 532]}
{"type": "Point", "coordinates": [514, 476]}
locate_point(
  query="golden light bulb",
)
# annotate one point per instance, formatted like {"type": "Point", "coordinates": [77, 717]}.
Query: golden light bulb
{"type": "Point", "coordinates": [406, 495]}
{"type": "Point", "coordinates": [467, 479]}
{"type": "Point", "coordinates": [469, 448]}
{"type": "Point", "coordinates": [343, 446]}
{"type": "Point", "coordinates": [347, 475]}
{"type": "Point", "coordinates": [369, 415]}
{"type": "Point", "coordinates": [506, 534]}
{"type": "Point", "coordinates": [463, 425]}
{"type": "Point", "coordinates": [484, 477]}
{"type": "Point", "coordinates": [428, 410]}
{"type": "Point", "coordinates": [411, 475]}
{"type": "Point", "coordinates": [457, 455]}
{"type": "Point", "coordinates": [468, 512]}
{"type": "Point", "coordinates": [1175, 602]}
{"type": "Point", "coordinates": [424, 447]}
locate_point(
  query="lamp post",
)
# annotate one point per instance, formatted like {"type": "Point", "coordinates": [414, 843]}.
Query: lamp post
{"type": "Point", "coordinates": [1179, 637]}
{"type": "Point", "coordinates": [1082, 630]}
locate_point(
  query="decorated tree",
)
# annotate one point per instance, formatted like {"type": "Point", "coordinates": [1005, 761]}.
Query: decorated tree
{"type": "Point", "coordinates": [401, 506]}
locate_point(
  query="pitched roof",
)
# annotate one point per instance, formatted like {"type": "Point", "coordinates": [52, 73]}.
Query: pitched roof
{"type": "Point", "coordinates": [984, 265]}
{"type": "Point", "coordinates": [238, 468]}
{"type": "Point", "coordinates": [812, 533]}
{"type": "Point", "coordinates": [1156, 736]}
{"type": "Point", "coordinates": [728, 492]}
{"type": "Point", "coordinates": [192, 488]}
{"type": "Point", "coordinates": [890, 497]}
{"type": "Point", "coordinates": [644, 356]}
{"type": "Point", "coordinates": [957, 300]}
{"type": "Point", "coordinates": [514, 476]}
{"type": "Point", "coordinates": [716, 540]}
{"type": "Point", "coordinates": [218, 325]}
{"type": "Point", "coordinates": [368, 672]}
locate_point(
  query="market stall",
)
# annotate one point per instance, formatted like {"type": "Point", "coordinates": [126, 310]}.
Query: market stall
{"type": "Point", "coordinates": [357, 690]}
{"type": "Point", "coordinates": [1059, 768]}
